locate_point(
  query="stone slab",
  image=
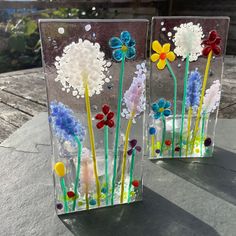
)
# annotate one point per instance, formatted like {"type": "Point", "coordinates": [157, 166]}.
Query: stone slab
{"type": "Point", "coordinates": [181, 197]}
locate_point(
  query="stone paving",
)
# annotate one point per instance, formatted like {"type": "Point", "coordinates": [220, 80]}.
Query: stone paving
{"type": "Point", "coordinates": [181, 197]}
{"type": "Point", "coordinates": [23, 95]}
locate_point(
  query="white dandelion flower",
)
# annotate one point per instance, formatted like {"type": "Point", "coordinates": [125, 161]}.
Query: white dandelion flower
{"type": "Point", "coordinates": [212, 97]}
{"type": "Point", "coordinates": [187, 40]}
{"type": "Point", "coordinates": [81, 63]}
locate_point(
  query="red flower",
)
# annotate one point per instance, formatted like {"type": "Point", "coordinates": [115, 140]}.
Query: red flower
{"type": "Point", "coordinates": [211, 43]}
{"type": "Point", "coordinates": [106, 118]}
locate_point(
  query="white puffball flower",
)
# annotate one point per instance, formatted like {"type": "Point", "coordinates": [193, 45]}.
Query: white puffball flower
{"type": "Point", "coordinates": [82, 63]}
{"type": "Point", "coordinates": [187, 40]}
{"type": "Point", "coordinates": [212, 97]}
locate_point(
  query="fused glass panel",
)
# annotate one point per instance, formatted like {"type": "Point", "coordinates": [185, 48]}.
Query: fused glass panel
{"type": "Point", "coordinates": [96, 78]}
{"type": "Point", "coordinates": [187, 55]}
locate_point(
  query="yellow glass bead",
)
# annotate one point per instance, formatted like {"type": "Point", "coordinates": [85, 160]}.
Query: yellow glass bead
{"type": "Point", "coordinates": [158, 145]}
{"type": "Point", "coordinates": [60, 169]}
{"type": "Point", "coordinates": [80, 203]}
{"type": "Point", "coordinates": [132, 194]}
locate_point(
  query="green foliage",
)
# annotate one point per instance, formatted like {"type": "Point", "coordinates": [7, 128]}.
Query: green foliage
{"type": "Point", "coordinates": [22, 49]}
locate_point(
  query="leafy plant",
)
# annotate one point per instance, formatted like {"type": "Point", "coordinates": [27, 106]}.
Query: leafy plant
{"type": "Point", "coordinates": [19, 37]}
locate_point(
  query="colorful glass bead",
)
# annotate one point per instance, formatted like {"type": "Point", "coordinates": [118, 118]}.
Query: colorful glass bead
{"type": "Point", "coordinates": [168, 142]}
{"type": "Point", "coordinates": [92, 202]}
{"type": "Point", "coordinates": [207, 142]}
{"type": "Point", "coordinates": [135, 183]}
{"type": "Point", "coordinates": [70, 194]}
{"type": "Point", "coordinates": [59, 206]}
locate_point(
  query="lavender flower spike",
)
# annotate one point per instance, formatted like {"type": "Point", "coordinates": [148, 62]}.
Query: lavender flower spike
{"type": "Point", "coordinates": [134, 97]}
{"type": "Point", "coordinates": [194, 89]}
{"type": "Point", "coordinates": [64, 123]}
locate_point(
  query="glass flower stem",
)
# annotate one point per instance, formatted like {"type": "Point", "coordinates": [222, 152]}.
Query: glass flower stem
{"type": "Point", "coordinates": [196, 128]}
{"type": "Point", "coordinates": [106, 162]}
{"type": "Point", "coordinates": [117, 134]}
{"type": "Point", "coordinates": [77, 171]}
{"type": "Point", "coordinates": [163, 134]}
{"type": "Point", "coordinates": [92, 142]}
{"type": "Point", "coordinates": [86, 196]}
{"type": "Point", "coordinates": [153, 145]}
{"type": "Point", "coordinates": [131, 173]}
{"type": "Point", "coordinates": [202, 132]}
{"type": "Point", "coordinates": [125, 156]}
{"type": "Point", "coordinates": [63, 187]}
{"type": "Point", "coordinates": [190, 112]}
{"type": "Point", "coordinates": [183, 104]}
{"type": "Point", "coordinates": [174, 102]}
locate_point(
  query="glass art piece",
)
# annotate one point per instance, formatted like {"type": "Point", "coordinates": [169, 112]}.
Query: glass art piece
{"type": "Point", "coordinates": [186, 57]}
{"type": "Point", "coordinates": [95, 73]}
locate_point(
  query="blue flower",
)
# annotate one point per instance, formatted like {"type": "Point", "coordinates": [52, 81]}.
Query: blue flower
{"type": "Point", "coordinates": [161, 107]}
{"type": "Point", "coordinates": [193, 89]}
{"type": "Point", "coordinates": [125, 44]}
{"type": "Point", "coordinates": [64, 123]}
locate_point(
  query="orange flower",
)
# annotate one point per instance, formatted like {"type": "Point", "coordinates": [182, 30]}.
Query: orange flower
{"type": "Point", "coordinates": [162, 54]}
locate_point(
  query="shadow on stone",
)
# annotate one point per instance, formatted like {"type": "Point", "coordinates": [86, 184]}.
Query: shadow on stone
{"type": "Point", "coordinates": [154, 216]}
{"type": "Point", "coordinates": [215, 174]}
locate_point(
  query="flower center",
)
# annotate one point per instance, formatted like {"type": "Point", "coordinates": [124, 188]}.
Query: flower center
{"type": "Point", "coordinates": [163, 56]}
{"type": "Point", "coordinates": [161, 109]}
{"type": "Point", "coordinates": [124, 48]}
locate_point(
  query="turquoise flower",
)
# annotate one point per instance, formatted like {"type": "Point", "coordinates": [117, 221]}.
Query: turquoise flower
{"type": "Point", "coordinates": [125, 44]}
{"type": "Point", "coordinates": [161, 107]}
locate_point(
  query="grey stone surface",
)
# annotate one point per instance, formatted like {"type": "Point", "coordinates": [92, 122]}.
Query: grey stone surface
{"type": "Point", "coordinates": [181, 197]}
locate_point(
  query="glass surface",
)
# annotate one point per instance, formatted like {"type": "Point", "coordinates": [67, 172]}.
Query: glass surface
{"type": "Point", "coordinates": [96, 74]}
{"type": "Point", "coordinates": [187, 55]}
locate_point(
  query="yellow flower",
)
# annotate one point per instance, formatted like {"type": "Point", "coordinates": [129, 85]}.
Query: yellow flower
{"type": "Point", "coordinates": [162, 54]}
{"type": "Point", "coordinates": [60, 169]}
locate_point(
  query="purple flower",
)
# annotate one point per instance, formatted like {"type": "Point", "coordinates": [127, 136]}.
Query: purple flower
{"type": "Point", "coordinates": [134, 97]}
{"type": "Point", "coordinates": [64, 123]}
{"type": "Point", "coordinates": [133, 146]}
{"type": "Point", "coordinates": [193, 89]}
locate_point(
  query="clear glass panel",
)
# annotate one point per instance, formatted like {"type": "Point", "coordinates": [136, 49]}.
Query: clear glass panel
{"type": "Point", "coordinates": [96, 74]}
{"type": "Point", "coordinates": [187, 61]}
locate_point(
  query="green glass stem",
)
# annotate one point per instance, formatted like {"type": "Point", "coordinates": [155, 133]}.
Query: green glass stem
{"type": "Point", "coordinates": [63, 187]}
{"type": "Point", "coordinates": [174, 107]}
{"type": "Point", "coordinates": [79, 151]}
{"type": "Point", "coordinates": [131, 173]}
{"type": "Point", "coordinates": [183, 104]}
{"type": "Point", "coordinates": [202, 132]}
{"type": "Point", "coordinates": [117, 134]}
{"type": "Point", "coordinates": [106, 162]}
{"type": "Point", "coordinates": [163, 134]}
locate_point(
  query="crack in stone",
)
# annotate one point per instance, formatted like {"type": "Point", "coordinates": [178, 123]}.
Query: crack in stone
{"type": "Point", "coordinates": [30, 152]}
{"type": "Point", "coordinates": [21, 151]}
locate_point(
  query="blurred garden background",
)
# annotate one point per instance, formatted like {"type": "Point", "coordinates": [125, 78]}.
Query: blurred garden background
{"type": "Point", "coordinates": [19, 36]}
